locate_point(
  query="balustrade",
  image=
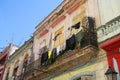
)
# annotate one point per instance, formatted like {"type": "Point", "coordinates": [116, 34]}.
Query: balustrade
{"type": "Point", "coordinates": [109, 30]}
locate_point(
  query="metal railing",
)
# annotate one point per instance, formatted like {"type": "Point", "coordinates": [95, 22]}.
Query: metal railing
{"type": "Point", "coordinates": [33, 66]}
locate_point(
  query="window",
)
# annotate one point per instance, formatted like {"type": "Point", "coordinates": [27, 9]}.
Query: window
{"type": "Point", "coordinates": [31, 58]}
{"type": "Point", "coordinates": [79, 78]}
{"type": "Point", "coordinates": [15, 73]}
{"type": "Point", "coordinates": [84, 76]}
{"type": "Point", "coordinates": [42, 47]}
{"type": "Point", "coordinates": [16, 66]}
{"type": "Point", "coordinates": [89, 77]}
{"type": "Point", "coordinates": [7, 73]}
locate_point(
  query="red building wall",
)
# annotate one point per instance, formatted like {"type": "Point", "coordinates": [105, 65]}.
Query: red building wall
{"type": "Point", "coordinates": [3, 58]}
{"type": "Point", "coordinates": [112, 47]}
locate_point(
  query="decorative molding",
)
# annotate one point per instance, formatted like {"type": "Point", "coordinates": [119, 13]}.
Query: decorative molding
{"type": "Point", "coordinates": [110, 29]}
{"type": "Point", "coordinates": [20, 51]}
{"type": "Point", "coordinates": [43, 32]}
{"type": "Point", "coordinates": [75, 7]}
{"type": "Point", "coordinates": [64, 8]}
{"type": "Point", "coordinates": [84, 74]}
{"type": "Point", "coordinates": [49, 18]}
{"type": "Point", "coordinates": [58, 21]}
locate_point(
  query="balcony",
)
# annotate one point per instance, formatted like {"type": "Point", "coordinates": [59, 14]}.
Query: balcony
{"type": "Point", "coordinates": [32, 66]}
{"type": "Point", "coordinates": [110, 29]}
{"type": "Point", "coordinates": [62, 63]}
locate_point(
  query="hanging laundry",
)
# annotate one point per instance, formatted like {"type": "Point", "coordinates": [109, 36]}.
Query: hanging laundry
{"type": "Point", "coordinates": [79, 36]}
{"type": "Point", "coordinates": [49, 54]}
{"type": "Point", "coordinates": [63, 46]}
{"type": "Point", "coordinates": [44, 57]}
{"type": "Point", "coordinates": [49, 61]}
{"type": "Point", "coordinates": [58, 50]}
{"type": "Point", "coordinates": [70, 43]}
{"type": "Point", "coordinates": [54, 54]}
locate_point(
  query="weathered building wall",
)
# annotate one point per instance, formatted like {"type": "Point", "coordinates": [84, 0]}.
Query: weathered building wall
{"type": "Point", "coordinates": [69, 17]}
{"type": "Point", "coordinates": [16, 60]}
{"type": "Point", "coordinates": [109, 9]}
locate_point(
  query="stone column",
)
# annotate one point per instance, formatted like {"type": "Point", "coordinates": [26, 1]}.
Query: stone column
{"type": "Point", "coordinates": [5, 73]}
{"type": "Point", "coordinates": [11, 72]}
{"type": "Point", "coordinates": [20, 67]}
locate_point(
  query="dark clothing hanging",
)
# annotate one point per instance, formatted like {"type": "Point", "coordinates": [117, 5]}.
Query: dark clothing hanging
{"type": "Point", "coordinates": [70, 43]}
{"type": "Point", "coordinates": [76, 26]}
{"type": "Point", "coordinates": [67, 44]}
{"type": "Point", "coordinates": [52, 57]}
{"type": "Point", "coordinates": [44, 57]}
{"type": "Point", "coordinates": [54, 54]}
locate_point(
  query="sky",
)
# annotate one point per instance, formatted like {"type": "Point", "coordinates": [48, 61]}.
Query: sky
{"type": "Point", "coordinates": [18, 19]}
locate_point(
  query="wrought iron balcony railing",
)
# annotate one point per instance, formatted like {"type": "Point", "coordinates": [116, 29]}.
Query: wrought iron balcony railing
{"type": "Point", "coordinates": [32, 67]}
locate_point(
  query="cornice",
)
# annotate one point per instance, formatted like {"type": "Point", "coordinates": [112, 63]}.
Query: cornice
{"type": "Point", "coordinates": [21, 50]}
{"type": "Point", "coordinates": [50, 15]}
{"type": "Point", "coordinates": [61, 18]}
{"type": "Point", "coordinates": [66, 7]}
{"type": "Point", "coordinates": [109, 30]}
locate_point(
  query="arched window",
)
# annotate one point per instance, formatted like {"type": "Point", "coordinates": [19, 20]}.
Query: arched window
{"type": "Point", "coordinates": [31, 58]}
{"type": "Point", "coordinates": [16, 66]}
{"type": "Point", "coordinates": [84, 76]}
{"type": "Point", "coordinates": [7, 74]}
{"type": "Point", "coordinates": [25, 63]}
{"type": "Point", "coordinates": [24, 66]}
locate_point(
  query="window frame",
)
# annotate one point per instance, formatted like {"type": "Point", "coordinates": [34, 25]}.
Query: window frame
{"type": "Point", "coordinates": [89, 73]}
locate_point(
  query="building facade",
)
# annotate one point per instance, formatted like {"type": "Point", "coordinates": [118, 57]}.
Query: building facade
{"type": "Point", "coordinates": [79, 40]}
{"type": "Point", "coordinates": [17, 62]}
{"type": "Point", "coordinates": [65, 44]}
{"type": "Point", "coordinates": [4, 57]}
{"type": "Point", "coordinates": [109, 32]}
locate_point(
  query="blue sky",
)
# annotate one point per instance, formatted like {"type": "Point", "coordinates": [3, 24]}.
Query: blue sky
{"type": "Point", "coordinates": [18, 18]}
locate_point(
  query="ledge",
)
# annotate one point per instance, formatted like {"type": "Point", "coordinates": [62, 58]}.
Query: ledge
{"type": "Point", "coordinates": [64, 62]}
